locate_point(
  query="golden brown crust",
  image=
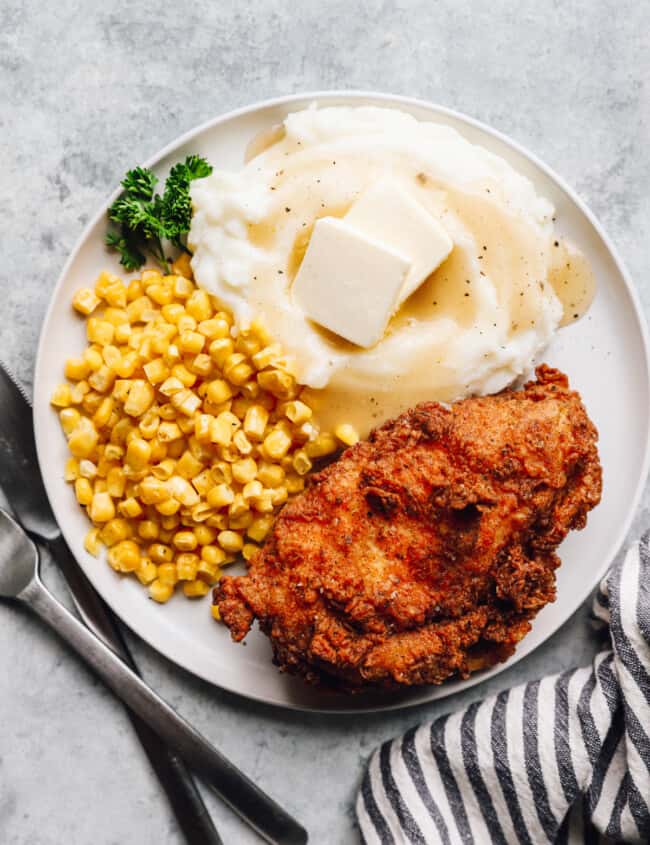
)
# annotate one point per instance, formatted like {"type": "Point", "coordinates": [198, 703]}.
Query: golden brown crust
{"type": "Point", "coordinates": [425, 551]}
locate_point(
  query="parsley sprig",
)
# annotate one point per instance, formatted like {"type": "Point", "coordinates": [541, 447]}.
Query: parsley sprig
{"type": "Point", "coordinates": [146, 220]}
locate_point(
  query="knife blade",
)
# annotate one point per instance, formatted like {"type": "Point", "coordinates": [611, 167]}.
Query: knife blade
{"type": "Point", "coordinates": [20, 478]}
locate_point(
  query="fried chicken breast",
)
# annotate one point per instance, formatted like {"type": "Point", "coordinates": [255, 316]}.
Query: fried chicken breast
{"type": "Point", "coordinates": [424, 552]}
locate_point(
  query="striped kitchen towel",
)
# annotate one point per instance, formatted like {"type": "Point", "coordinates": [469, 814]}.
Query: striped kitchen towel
{"type": "Point", "coordinates": [564, 759]}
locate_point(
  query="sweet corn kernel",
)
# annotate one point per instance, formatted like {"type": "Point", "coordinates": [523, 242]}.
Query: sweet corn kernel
{"type": "Point", "coordinates": [244, 470]}
{"type": "Point", "coordinates": [61, 398]}
{"type": "Point", "coordinates": [252, 490]}
{"type": "Point", "coordinates": [223, 427]}
{"type": "Point", "coordinates": [168, 573]}
{"type": "Point", "coordinates": [185, 541]}
{"type": "Point", "coordinates": [92, 543]}
{"type": "Point", "coordinates": [218, 391]}
{"type": "Point", "coordinates": [152, 491]}
{"type": "Point", "coordinates": [249, 550]}
{"type": "Point", "coordinates": [214, 328]}
{"type": "Point", "coordinates": [280, 384]}
{"type": "Point", "coordinates": [195, 589]}
{"type": "Point", "coordinates": [156, 371]}
{"type": "Point", "coordinates": [214, 610]}
{"type": "Point", "coordinates": [71, 470]}
{"type": "Point", "coordinates": [160, 553]}
{"type": "Point", "coordinates": [93, 358]}
{"type": "Point", "coordinates": [220, 349]}
{"type": "Point", "coordinates": [220, 496]}
{"type": "Point", "coordinates": [259, 528]}
{"type": "Point", "coordinates": [212, 555]}
{"type": "Point", "coordinates": [148, 529]}
{"type": "Point", "coordinates": [100, 331]}
{"type": "Point", "coordinates": [172, 312]}
{"type": "Point", "coordinates": [277, 444]}
{"type": "Point", "coordinates": [130, 508]}
{"type": "Point", "coordinates": [182, 491]}
{"type": "Point", "coordinates": [201, 365]}
{"type": "Point", "coordinates": [297, 412]}
{"type": "Point", "coordinates": [87, 469]}
{"type": "Point", "coordinates": [103, 412]}
{"type": "Point", "coordinates": [70, 419]}
{"type": "Point", "coordinates": [122, 333]}
{"type": "Point", "coordinates": [265, 357]}
{"type": "Point", "coordinates": [301, 462]}
{"type": "Point", "coordinates": [346, 434]}
{"type": "Point", "coordinates": [271, 475]}
{"type": "Point", "coordinates": [242, 443]}
{"type": "Point", "coordinates": [160, 592]}
{"type": "Point", "coordinates": [146, 572]}
{"type": "Point", "coordinates": [116, 482]}
{"type": "Point", "coordinates": [295, 483]}
{"type": "Point", "coordinates": [255, 422]}
{"type": "Point", "coordinates": [102, 508]}
{"type": "Point", "coordinates": [183, 287]}
{"type": "Point", "coordinates": [138, 453]}
{"type": "Point", "coordinates": [168, 432]}
{"type": "Point", "coordinates": [76, 369]}
{"type": "Point", "coordinates": [186, 402]}
{"type": "Point", "coordinates": [83, 440]}
{"type": "Point", "coordinates": [115, 531]}
{"type": "Point", "coordinates": [187, 565]}
{"type": "Point", "coordinates": [230, 541]}
{"type": "Point", "coordinates": [83, 491]}
{"type": "Point", "coordinates": [169, 507]}
{"type": "Point", "coordinates": [199, 306]}
{"type": "Point", "coordinates": [124, 556]}
{"type": "Point", "coordinates": [323, 444]}
{"type": "Point", "coordinates": [141, 396]}
{"type": "Point", "coordinates": [85, 301]}
{"type": "Point", "coordinates": [191, 342]}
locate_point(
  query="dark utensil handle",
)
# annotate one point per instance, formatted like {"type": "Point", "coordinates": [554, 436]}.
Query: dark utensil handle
{"type": "Point", "coordinates": [181, 790]}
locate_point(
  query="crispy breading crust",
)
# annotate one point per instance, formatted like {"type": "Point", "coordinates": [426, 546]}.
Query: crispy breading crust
{"type": "Point", "coordinates": [425, 551]}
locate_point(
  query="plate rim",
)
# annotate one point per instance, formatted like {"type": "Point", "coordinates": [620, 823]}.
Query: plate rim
{"type": "Point", "coordinates": [391, 101]}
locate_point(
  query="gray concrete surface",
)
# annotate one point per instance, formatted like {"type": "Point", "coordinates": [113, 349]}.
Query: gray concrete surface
{"type": "Point", "coordinates": [87, 89]}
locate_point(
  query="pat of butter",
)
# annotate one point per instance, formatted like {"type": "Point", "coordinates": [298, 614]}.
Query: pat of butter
{"type": "Point", "coordinates": [348, 282]}
{"type": "Point", "coordinates": [388, 214]}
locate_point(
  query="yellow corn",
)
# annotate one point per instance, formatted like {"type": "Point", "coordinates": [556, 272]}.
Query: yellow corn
{"type": "Point", "coordinates": [85, 301]}
{"type": "Point", "coordinates": [160, 592]}
{"type": "Point", "coordinates": [346, 434]}
{"type": "Point", "coordinates": [218, 391]}
{"type": "Point", "coordinates": [92, 543]}
{"type": "Point", "coordinates": [244, 470]}
{"type": "Point", "coordinates": [185, 541]}
{"type": "Point", "coordinates": [230, 541]}
{"type": "Point", "coordinates": [255, 422]}
{"type": "Point", "coordinates": [102, 508]}
{"type": "Point", "coordinates": [259, 528]}
{"type": "Point", "coordinates": [141, 396]}
{"type": "Point", "coordinates": [195, 589]}
{"type": "Point", "coordinates": [277, 444]}
{"type": "Point", "coordinates": [220, 496]}
{"type": "Point", "coordinates": [146, 572]}
{"type": "Point", "coordinates": [323, 444]}
{"type": "Point", "coordinates": [130, 508]}
{"type": "Point", "coordinates": [61, 398]}
{"type": "Point", "coordinates": [271, 475]}
{"type": "Point", "coordinates": [168, 573]}
{"type": "Point", "coordinates": [148, 529]}
{"type": "Point", "coordinates": [249, 550]}
{"type": "Point", "coordinates": [83, 491]}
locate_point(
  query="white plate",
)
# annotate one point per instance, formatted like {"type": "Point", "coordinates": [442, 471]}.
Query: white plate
{"type": "Point", "coordinates": [605, 356]}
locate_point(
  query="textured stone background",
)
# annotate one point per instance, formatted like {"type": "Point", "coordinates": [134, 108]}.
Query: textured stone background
{"type": "Point", "coordinates": [88, 89]}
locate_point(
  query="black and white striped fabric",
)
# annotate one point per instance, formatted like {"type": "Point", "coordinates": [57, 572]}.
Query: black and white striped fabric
{"type": "Point", "coordinates": [564, 759]}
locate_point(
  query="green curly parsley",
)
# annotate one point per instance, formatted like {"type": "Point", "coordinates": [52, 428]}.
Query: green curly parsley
{"type": "Point", "coordinates": [145, 220]}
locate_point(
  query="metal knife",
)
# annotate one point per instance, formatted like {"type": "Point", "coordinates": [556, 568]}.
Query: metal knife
{"type": "Point", "coordinates": [21, 481]}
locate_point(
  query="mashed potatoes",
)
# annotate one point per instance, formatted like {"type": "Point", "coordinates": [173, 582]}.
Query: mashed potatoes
{"type": "Point", "coordinates": [472, 327]}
